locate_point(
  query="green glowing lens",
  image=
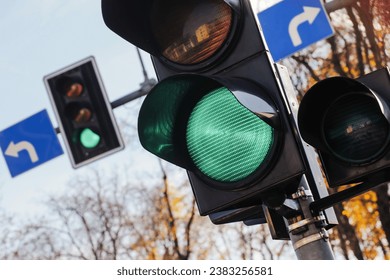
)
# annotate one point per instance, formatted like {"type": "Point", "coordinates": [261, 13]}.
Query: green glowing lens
{"type": "Point", "coordinates": [225, 140]}
{"type": "Point", "coordinates": [89, 139]}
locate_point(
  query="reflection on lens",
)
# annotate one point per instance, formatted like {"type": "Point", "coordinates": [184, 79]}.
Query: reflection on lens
{"type": "Point", "coordinates": [78, 112]}
{"type": "Point", "coordinates": [83, 115]}
{"type": "Point", "coordinates": [74, 90]}
{"type": "Point", "coordinates": [355, 128]}
{"type": "Point", "coordinates": [191, 31]}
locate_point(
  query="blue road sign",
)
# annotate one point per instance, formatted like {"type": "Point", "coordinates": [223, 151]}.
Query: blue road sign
{"type": "Point", "coordinates": [292, 25]}
{"type": "Point", "coordinates": [29, 143]}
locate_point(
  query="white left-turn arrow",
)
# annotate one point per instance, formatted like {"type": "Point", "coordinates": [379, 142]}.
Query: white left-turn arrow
{"type": "Point", "coordinates": [13, 150]}
{"type": "Point", "coordinates": [309, 14]}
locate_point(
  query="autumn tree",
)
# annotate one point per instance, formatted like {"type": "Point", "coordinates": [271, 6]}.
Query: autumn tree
{"type": "Point", "coordinates": [110, 214]}
{"type": "Point", "coordinates": [360, 45]}
{"type": "Point", "coordinates": [107, 214]}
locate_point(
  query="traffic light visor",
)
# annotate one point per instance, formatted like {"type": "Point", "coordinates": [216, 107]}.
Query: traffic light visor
{"type": "Point", "coordinates": [191, 31]}
{"type": "Point", "coordinates": [199, 124]}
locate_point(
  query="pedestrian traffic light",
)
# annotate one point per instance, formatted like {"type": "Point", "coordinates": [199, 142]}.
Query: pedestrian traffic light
{"type": "Point", "coordinates": [348, 121]}
{"type": "Point", "coordinates": [83, 112]}
{"type": "Point", "coordinates": [218, 110]}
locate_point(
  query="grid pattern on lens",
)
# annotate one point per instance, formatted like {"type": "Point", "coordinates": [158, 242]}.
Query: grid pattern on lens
{"type": "Point", "coordinates": [225, 140]}
{"type": "Point", "coordinates": [355, 128]}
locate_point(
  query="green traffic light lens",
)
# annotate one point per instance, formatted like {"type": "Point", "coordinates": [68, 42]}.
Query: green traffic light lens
{"type": "Point", "coordinates": [225, 140]}
{"type": "Point", "coordinates": [355, 129]}
{"type": "Point", "coordinates": [226, 137]}
{"type": "Point", "coordinates": [89, 139]}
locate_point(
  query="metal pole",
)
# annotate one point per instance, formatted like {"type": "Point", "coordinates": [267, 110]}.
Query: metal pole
{"type": "Point", "coordinates": [144, 90]}
{"type": "Point", "coordinates": [142, 65]}
{"type": "Point", "coordinates": [307, 228]}
{"type": "Point", "coordinates": [307, 232]}
{"type": "Point", "coordinates": [341, 196]}
{"type": "Point", "coordinates": [338, 4]}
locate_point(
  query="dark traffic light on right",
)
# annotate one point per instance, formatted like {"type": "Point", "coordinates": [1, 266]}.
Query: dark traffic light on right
{"type": "Point", "coordinates": [348, 121]}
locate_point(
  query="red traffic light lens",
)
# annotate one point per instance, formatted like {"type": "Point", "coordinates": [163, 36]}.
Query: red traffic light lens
{"type": "Point", "coordinates": [70, 87]}
{"type": "Point", "coordinates": [74, 90]}
{"type": "Point", "coordinates": [83, 115]}
{"type": "Point", "coordinates": [191, 31]}
{"type": "Point", "coordinates": [78, 112]}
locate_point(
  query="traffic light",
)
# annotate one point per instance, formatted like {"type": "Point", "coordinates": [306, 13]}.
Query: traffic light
{"type": "Point", "coordinates": [218, 110]}
{"type": "Point", "coordinates": [83, 112]}
{"type": "Point", "coordinates": [348, 121]}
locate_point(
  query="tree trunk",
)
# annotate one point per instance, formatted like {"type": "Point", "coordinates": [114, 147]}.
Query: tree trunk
{"type": "Point", "coordinates": [384, 209]}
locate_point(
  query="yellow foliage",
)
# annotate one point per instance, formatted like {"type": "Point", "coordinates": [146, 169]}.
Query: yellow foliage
{"type": "Point", "coordinates": [363, 215]}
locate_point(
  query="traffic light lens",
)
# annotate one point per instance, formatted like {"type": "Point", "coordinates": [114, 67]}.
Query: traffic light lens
{"type": "Point", "coordinates": [355, 128]}
{"type": "Point", "coordinates": [74, 90]}
{"type": "Point", "coordinates": [78, 112]}
{"type": "Point", "coordinates": [89, 139]}
{"type": "Point", "coordinates": [83, 115]}
{"type": "Point", "coordinates": [69, 86]}
{"type": "Point", "coordinates": [225, 140]}
{"type": "Point", "coordinates": [191, 31]}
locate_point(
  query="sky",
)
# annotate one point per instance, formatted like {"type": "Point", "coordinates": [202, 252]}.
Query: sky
{"type": "Point", "coordinates": [38, 38]}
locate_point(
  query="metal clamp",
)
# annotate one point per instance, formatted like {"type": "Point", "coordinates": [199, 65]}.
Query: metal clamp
{"type": "Point", "coordinates": [302, 193]}
{"type": "Point", "coordinates": [302, 223]}
{"type": "Point", "coordinates": [323, 234]}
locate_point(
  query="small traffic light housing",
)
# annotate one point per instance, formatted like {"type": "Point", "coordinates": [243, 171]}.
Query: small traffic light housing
{"type": "Point", "coordinates": [348, 121]}
{"type": "Point", "coordinates": [218, 110]}
{"type": "Point", "coordinates": [83, 112]}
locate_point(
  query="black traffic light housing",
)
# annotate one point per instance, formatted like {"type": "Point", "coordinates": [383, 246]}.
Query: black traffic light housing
{"type": "Point", "coordinates": [348, 121]}
{"type": "Point", "coordinates": [254, 215]}
{"type": "Point", "coordinates": [246, 214]}
{"type": "Point", "coordinates": [83, 111]}
{"type": "Point", "coordinates": [192, 67]}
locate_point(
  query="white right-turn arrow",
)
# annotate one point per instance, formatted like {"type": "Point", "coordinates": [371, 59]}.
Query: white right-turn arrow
{"type": "Point", "coordinates": [309, 14]}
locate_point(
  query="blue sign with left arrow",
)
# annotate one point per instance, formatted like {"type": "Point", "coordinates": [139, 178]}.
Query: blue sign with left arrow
{"type": "Point", "coordinates": [29, 143]}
